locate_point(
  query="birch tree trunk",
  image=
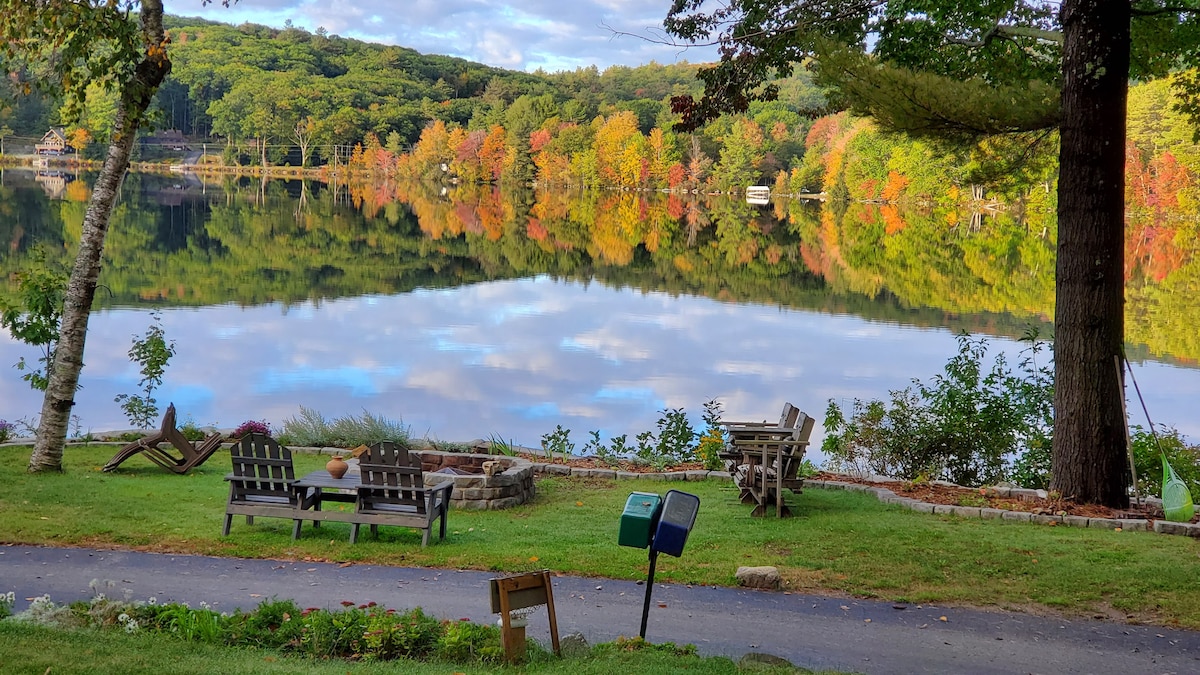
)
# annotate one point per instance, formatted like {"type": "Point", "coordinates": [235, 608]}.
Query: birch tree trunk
{"type": "Point", "coordinates": [68, 357]}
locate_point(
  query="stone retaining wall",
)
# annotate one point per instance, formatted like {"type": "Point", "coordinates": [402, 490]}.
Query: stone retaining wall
{"type": "Point", "coordinates": [512, 486]}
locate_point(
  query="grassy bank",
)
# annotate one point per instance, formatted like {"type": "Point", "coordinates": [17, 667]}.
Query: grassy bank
{"type": "Point", "coordinates": [840, 542]}
{"type": "Point", "coordinates": [34, 650]}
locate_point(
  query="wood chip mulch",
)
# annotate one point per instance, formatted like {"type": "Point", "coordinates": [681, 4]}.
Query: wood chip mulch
{"type": "Point", "coordinates": [986, 497]}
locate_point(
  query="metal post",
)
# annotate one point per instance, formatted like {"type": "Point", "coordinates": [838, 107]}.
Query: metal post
{"type": "Point", "coordinates": [649, 589]}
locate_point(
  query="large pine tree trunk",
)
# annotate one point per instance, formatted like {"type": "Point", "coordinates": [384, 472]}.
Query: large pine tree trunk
{"type": "Point", "coordinates": [68, 356]}
{"type": "Point", "coordinates": [1089, 436]}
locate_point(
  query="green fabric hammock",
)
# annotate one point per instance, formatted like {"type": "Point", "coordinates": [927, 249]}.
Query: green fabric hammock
{"type": "Point", "coordinates": [1177, 500]}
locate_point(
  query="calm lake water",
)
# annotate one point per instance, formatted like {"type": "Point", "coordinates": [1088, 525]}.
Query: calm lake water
{"type": "Point", "coordinates": [471, 313]}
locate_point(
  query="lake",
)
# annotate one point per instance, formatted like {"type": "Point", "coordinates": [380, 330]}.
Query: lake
{"type": "Point", "coordinates": [470, 312]}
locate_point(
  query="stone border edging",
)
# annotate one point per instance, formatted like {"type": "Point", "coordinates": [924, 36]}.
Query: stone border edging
{"type": "Point", "coordinates": [888, 497]}
{"type": "Point", "coordinates": [1130, 524]}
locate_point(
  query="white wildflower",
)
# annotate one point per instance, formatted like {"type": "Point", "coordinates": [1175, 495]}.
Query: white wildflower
{"type": "Point", "coordinates": [153, 600]}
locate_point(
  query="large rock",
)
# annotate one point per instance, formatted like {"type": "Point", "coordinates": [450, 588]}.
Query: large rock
{"type": "Point", "coordinates": [759, 577]}
{"type": "Point", "coordinates": [573, 645]}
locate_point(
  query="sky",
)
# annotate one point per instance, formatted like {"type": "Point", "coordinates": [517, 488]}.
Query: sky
{"type": "Point", "coordinates": [552, 35]}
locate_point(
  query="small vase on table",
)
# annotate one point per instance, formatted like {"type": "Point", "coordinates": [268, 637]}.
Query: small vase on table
{"type": "Point", "coordinates": [337, 466]}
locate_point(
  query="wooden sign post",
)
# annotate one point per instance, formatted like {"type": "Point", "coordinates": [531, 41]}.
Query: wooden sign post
{"type": "Point", "coordinates": [520, 592]}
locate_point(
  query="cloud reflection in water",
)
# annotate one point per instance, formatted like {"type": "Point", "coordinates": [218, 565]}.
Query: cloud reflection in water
{"type": "Point", "coordinates": [515, 358]}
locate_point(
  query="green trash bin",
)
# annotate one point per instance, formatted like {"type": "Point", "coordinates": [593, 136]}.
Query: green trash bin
{"type": "Point", "coordinates": [639, 519]}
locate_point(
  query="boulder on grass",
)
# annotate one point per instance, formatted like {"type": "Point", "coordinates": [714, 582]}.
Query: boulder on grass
{"type": "Point", "coordinates": [759, 577]}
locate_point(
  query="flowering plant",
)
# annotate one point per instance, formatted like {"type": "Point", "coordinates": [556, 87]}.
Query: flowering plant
{"type": "Point", "coordinates": [6, 429]}
{"type": "Point", "coordinates": [252, 427]}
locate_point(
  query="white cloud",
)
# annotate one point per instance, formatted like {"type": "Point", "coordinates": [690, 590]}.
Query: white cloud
{"type": "Point", "coordinates": [547, 34]}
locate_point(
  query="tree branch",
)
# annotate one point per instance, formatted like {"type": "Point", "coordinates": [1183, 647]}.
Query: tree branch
{"type": "Point", "coordinates": [1003, 31]}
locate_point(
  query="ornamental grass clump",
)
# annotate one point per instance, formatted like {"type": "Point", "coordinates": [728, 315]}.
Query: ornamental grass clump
{"type": "Point", "coordinates": [311, 429]}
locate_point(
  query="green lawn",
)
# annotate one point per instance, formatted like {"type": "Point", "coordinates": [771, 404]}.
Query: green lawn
{"type": "Point", "coordinates": [841, 542]}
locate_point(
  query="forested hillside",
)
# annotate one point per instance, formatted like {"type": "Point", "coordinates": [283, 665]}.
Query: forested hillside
{"type": "Point", "coordinates": [257, 96]}
{"type": "Point", "coordinates": [251, 84]}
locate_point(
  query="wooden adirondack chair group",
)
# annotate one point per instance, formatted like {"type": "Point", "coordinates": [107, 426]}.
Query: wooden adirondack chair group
{"type": "Point", "coordinates": [387, 489]}
{"type": "Point", "coordinates": [764, 458]}
{"type": "Point", "coordinates": [180, 455]}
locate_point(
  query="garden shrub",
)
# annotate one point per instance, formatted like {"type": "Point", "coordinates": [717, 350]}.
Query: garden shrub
{"type": "Point", "coordinates": [251, 427]}
{"type": "Point", "coordinates": [367, 632]}
{"type": "Point", "coordinates": [1147, 459]}
{"type": "Point", "coordinates": [712, 440]}
{"type": "Point", "coordinates": [964, 427]}
{"type": "Point", "coordinates": [274, 624]}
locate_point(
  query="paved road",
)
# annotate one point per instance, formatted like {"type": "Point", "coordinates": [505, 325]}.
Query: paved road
{"type": "Point", "coordinates": [817, 632]}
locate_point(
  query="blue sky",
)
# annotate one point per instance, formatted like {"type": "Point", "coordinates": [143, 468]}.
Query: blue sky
{"type": "Point", "coordinates": [549, 34]}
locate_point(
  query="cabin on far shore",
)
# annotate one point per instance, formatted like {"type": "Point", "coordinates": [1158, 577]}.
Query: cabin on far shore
{"type": "Point", "coordinates": [170, 139]}
{"type": "Point", "coordinates": [53, 143]}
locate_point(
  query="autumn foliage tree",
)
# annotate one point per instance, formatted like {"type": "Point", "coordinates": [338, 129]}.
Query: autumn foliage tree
{"type": "Point", "coordinates": [965, 69]}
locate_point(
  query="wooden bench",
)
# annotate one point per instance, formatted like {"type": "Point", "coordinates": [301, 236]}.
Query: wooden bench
{"type": "Point", "coordinates": [185, 457]}
{"type": "Point", "coordinates": [767, 458]}
{"type": "Point", "coordinates": [263, 484]}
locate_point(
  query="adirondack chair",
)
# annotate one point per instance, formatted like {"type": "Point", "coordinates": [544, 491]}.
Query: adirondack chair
{"type": "Point", "coordinates": [261, 484]}
{"type": "Point", "coordinates": [769, 459]}
{"type": "Point", "coordinates": [181, 456]}
{"type": "Point", "coordinates": [393, 492]}
{"type": "Point", "coordinates": [751, 431]}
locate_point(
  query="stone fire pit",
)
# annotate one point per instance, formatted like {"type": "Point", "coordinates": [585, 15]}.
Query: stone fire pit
{"type": "Point", "coordinates": [510, 484]}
